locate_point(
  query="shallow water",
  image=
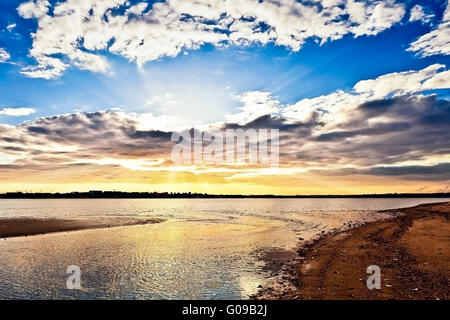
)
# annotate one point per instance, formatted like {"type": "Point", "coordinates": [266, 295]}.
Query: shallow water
{"type": "Point", "coordinates": [205, 248]}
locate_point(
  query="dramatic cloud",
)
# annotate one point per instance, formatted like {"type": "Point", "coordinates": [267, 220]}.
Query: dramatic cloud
{"type": "Point", "coordinates": [388, 128]}
{"type": "Point", "coordinates": [4, 55]}
{"type": "Point", "coordinates": [90, 140]}
{"type": "Point", "coordinates": [17, 112]}
{"type": "Point", "coordinates": [76, 31]}
{"type": "Point", "coordinates": [337, 107]}
{"type": "Point", "coordinates": [391, 131]}
{"type": "Point", "coordinates": [436, 41]}
{"type": "Point", "coordinates": [382, 137]}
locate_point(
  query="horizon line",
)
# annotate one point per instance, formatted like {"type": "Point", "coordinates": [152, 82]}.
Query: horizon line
{"type": "Point", "coordinates": [155, 194]}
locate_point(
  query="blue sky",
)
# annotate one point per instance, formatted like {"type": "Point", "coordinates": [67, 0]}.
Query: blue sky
{"type": "Point", "coordinates": [91, 92]}
{"type": "Point", "coordinates": [208, 77]}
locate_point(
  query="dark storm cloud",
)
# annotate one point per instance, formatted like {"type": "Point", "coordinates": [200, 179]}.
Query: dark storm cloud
{"type": "Point", "coordinates": [86, 135]}
{"type": "Point", "coordinates": [387, 131]}
{"type": "Point", "coordinates": [442, 169]}
{"type": "Point", "coordinates": [439, 172]}
{"type": "Point", "coordinates": [272, 122]}
{"type": "Point", "coordinates": [150, 134]}
{"type": "Point", "coordinates": [39, 130]}
{"type": "Point", "coordinates": [376, 130]}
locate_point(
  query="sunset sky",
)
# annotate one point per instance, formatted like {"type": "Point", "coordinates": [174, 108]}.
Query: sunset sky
{"type": "Point", "coordinates": [91, 91]}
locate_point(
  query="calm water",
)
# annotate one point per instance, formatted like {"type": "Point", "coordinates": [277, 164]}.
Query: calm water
{"type": "Point", "coordinates": [205, 249]}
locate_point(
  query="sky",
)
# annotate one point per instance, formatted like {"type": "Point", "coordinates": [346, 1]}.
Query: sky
{"type": "Point", "coordinates": [91, 91]}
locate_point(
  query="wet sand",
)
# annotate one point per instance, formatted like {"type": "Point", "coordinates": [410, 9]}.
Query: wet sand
{"type": "Point", "coordinates": [16, 227]}
{"type": "Point", "coordinates": [412, 251]}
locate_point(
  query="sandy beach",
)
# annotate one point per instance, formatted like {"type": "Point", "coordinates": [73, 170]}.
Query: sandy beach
{"type": "Point", "coordinates": [412, 251]}
{"type": "Point", "coordinates": [16, 227]}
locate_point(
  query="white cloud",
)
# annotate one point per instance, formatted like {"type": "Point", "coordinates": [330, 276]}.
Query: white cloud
{"type": "Point", "coordinates": [418, 14]}
{"type": "Point", "coordinates": [375, 17]}
{"type": "Point", "coordinates": [436, 41]}
{"type": "Point", "coordinates": [80, 29]}
{"type": "Point", "coordinates": [148, 121]}
{"type": "Point", "coordinates": [4, 55]}
{"type": "Point", "coordinates": [399, 83]}
{"type": "Point", "coordinates": [33, 9]}
{"type": "Point", "coordinates": [17, 112]}
{"type": "Point", "coordinates": [332, 107]}
{"type": "Point", "coordinates": [11, 26]}
{"type": "Point", "coordinates": [337, 107]}
{"type": "Point", "coordinates": [256, 104]}
{"type": "Point", "coordinates": [47, 68]}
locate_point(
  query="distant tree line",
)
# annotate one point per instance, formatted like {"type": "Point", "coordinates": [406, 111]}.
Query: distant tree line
{"type": "Point", "coordinates": [96, 194]}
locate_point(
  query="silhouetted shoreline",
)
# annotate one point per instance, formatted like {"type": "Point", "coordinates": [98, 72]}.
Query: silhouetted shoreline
{"type": "Point", "coordinates": [189, 195]}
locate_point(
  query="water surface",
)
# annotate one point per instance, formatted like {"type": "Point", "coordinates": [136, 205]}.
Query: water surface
{"type": "Point", "coordinates": [205, 249]}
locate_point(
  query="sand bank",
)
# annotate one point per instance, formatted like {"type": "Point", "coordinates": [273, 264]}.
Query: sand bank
{"type": "Point", "coordinates": [15, 227]}
{"type": "Point", "coordinates": [412, 251]}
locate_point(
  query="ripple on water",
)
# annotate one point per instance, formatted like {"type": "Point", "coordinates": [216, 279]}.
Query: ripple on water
{"type": "Point", "coordinates": [206, 249]}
